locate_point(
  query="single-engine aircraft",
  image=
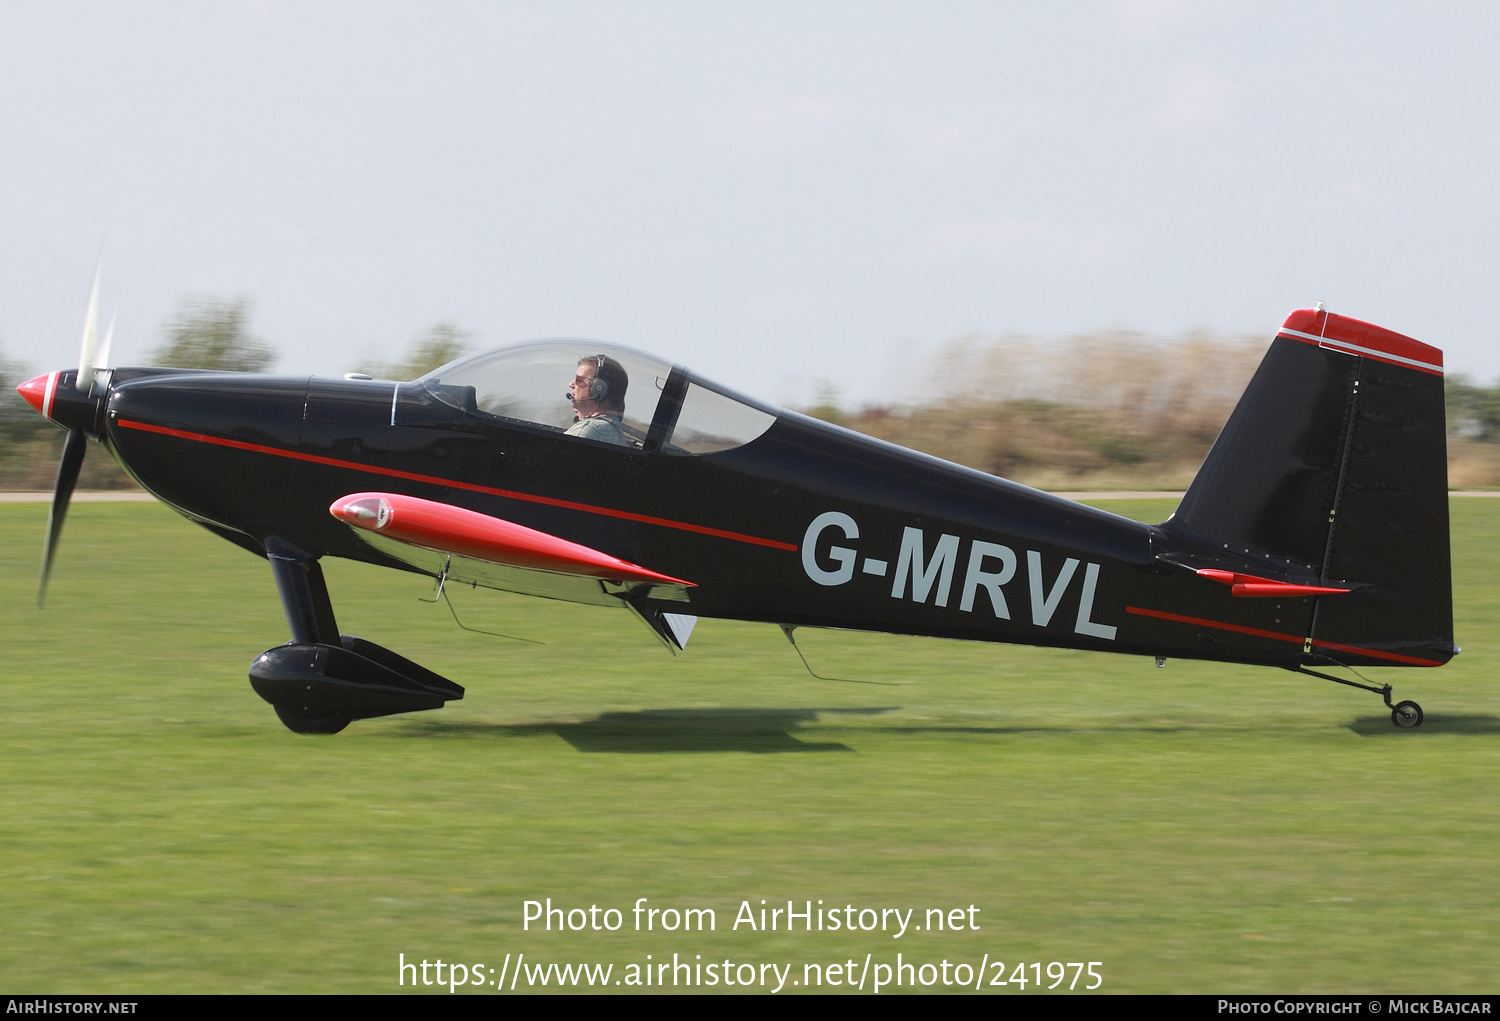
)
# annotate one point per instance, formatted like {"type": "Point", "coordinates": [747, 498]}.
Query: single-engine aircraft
{"type": "Point", "coordinates": [1315, 534]}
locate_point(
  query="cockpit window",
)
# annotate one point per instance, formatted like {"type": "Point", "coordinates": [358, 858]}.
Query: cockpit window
{"type": "Point", "coordinates": [585, 389]}
{"type": "Point", "coordinates": [601, 393]}
{"type": "Point", "coordinates": [712, 421]}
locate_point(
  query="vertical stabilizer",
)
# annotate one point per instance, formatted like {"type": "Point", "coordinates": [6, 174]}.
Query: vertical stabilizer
{"type": "Point", "coordinates": [1334, 467]}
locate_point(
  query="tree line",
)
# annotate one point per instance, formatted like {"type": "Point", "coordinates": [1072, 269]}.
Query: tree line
{"type": "Point", "coordinates": [1113, 410]}
{"type": "Point", "coordinates": [1103, 410]}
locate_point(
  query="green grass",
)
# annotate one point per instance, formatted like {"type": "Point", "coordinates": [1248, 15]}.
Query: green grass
{"type": "Point", "coordinates": [1199, 828]}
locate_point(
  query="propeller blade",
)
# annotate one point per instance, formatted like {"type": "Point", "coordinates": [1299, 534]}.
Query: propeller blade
{"type": "Point", "coordinates": [88, 355]}
{"type": "Point", "coordinates": [62, 493]}
{"type": "Point", "coordinates": [101, 360]}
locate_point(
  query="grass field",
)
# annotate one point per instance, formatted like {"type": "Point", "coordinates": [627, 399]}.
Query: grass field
{"type": "Point", "coordinates": [1198, 828]}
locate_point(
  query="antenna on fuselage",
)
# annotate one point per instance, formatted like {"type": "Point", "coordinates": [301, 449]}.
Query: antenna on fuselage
{"type": "Point", "coordinates": [787, 630]}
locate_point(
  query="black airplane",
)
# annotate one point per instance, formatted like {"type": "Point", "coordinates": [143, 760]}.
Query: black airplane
{"type": "Point", "coordinates": [1315, 535]}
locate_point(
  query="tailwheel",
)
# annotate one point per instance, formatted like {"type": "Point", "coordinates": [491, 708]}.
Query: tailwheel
{"type": "Point", "coordinates": [1407, 715]}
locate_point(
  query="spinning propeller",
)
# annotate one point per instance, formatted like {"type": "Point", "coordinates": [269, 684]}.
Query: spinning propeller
{"type": "Point", "coordinates": [94, 355]}
{"type": "Point", "coordinates": [41, 393]}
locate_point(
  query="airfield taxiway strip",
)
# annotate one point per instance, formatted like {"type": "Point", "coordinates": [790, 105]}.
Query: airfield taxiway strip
{"type": "Point", "coordinates": [108, 496]}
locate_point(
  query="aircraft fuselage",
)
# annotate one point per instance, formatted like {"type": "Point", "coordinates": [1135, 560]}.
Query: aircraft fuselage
{"type": "Point", "coordinates": [807, 525]}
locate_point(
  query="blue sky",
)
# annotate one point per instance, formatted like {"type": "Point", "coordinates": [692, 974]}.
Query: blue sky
{"type": "Point", "coordinates": [773, 193]}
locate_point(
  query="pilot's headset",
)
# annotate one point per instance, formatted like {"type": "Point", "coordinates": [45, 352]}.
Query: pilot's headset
{"type": "Point", "coordinates": [598, 386]}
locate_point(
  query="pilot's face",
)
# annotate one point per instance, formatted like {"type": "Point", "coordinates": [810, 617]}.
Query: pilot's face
{"type": "Point", "coordinates": [579, 388]}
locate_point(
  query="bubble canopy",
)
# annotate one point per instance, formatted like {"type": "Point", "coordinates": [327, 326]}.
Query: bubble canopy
{"type": "Point", "coordinates": [646, 405]}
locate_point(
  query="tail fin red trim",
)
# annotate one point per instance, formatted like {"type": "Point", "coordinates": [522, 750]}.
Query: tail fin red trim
{"type": "Point", "coordinates": [1353, 337]}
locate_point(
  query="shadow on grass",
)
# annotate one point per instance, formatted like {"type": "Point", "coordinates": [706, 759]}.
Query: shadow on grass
{"type": "Point", "coordinates": [1467, 723]}
{"type": "Point", "coordinates": [665, 730]}
{"type": "Point", "coordinates": [1040, 729]}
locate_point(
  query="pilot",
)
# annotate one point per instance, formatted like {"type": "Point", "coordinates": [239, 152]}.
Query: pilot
{"type": "Point", "coordinates": [598, 396]}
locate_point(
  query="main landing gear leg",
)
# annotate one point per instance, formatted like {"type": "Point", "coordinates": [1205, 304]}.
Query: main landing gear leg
{"type": "Point", "coordinates": [321, 680]}
{"type": "Point", "coordinates": [304, 594]}
{"type": "Point", "coordinates": [1407, 715]}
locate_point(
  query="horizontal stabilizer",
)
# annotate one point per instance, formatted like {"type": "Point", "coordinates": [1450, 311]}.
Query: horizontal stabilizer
{"type": "Point", "coordinates": [1249, 585]}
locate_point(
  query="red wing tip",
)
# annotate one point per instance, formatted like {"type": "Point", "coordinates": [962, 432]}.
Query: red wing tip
{"type": "Point", "coordinates": [1360, 337]}
{"type": "Point", "coordinates": [444, 526]}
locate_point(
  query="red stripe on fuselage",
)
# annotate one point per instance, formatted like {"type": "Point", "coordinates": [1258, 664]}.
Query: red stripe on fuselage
{"type": "Point", "coordinates": [508, 494]}
{"type": "Point", "coordinates": [1318, 643]}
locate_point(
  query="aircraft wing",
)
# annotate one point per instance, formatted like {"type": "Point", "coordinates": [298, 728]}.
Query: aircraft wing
{"type": "Point", "coordinates": [441, 539]}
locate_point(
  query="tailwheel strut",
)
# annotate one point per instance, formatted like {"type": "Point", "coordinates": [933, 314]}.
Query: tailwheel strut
{"type": "Point", "coordinates": [1406, 715]}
